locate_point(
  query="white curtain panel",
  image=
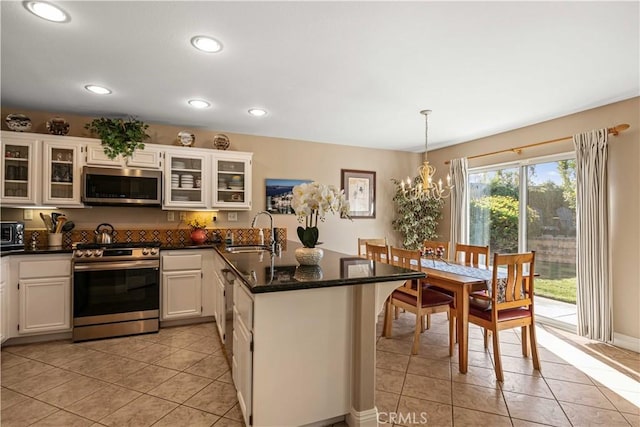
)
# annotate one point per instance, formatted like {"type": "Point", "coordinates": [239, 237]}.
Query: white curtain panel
{"type": "Point", "coordinates": [594, 299]}
{"type": "Point", "coordinates": [458, 172]}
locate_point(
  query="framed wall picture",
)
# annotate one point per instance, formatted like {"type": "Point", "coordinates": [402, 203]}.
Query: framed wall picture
{"type": "Point", "coordinates": [360, 189]}
{"type": "Point", "coordinates": [279, 193]}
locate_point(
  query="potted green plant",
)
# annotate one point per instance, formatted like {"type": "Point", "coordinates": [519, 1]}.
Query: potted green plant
{"type": "Point", "coordinates": [416, 220]}
{"type": "Point", "coordinates": [119, 136]}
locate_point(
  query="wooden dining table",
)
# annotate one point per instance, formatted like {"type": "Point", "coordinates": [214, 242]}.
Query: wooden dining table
{"type": "Point", "coordinates": [462, 286]}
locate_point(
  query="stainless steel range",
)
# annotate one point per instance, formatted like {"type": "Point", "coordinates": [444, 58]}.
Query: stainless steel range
{"type": "Point", "coordinates": [116, 289]}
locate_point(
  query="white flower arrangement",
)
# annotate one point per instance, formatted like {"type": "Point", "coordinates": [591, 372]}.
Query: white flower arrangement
{"type": "Point", "coordinates": [312, 202]}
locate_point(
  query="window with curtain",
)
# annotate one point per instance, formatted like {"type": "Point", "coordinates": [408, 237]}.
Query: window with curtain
{"type": "Point", "coordinates": [530, 205]}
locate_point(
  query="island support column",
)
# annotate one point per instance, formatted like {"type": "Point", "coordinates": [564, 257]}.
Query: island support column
{"type": "Point", "coordinates": [367, 303]}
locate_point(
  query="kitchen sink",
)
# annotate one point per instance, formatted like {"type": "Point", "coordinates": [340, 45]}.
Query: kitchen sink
{"type": "Point", "coordinates": [236, 249]}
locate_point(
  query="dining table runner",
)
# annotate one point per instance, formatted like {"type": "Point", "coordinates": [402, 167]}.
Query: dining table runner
{"type": "Point", "coordinates": [465, 270]}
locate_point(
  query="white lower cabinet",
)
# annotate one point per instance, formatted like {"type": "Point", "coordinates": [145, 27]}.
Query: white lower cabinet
{"type": "Point", "coordinates": [187, 284]}
{"type": "Point", "coordinates": [181, 294]}
{"type": "Point", "coordinates": [242, 360]}
{"type": "Point", "coordinates": [220, 270]}
{"type": "Point", "coordinates": [4, 301]}
{"type": "Point", "coordinates": [44, 294]}
{"type": "Point", "coordinates": [44, 305]}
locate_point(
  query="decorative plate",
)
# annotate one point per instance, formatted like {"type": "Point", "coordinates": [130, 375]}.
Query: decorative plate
{"type": "Point", "coordinates": [186, 138]}
{"type": "Point", "coordinates": [18, 122]}
{"type": "Point", "coordinates": [58, 126]}
{"type": "Point", "coordinates": [221, 142]}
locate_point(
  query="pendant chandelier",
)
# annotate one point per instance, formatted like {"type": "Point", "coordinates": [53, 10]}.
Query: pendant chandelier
{"type": "Point", "coordinates": [425, 187]}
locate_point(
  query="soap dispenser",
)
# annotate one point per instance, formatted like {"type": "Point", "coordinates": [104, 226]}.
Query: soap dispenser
{"type": "Point", "coordinates": [261, 237]}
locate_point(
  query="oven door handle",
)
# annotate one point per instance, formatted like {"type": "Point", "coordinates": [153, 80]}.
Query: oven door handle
{"type": "Point", "coordinates": [115, 265]}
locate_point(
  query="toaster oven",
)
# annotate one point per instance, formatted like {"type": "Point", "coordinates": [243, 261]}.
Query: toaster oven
{"type": "Point", "coordinates": [12, 235]}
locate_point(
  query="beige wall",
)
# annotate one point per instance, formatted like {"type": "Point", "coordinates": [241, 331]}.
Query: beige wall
{"type": "Point", "coordinates": [624, 188]}
{"type": "Point", "coordinates": [273, 158]}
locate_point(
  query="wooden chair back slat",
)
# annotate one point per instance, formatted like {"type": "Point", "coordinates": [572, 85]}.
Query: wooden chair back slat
{"type": "Point", "coordinates": [410, 260]}
{"type": "Point", "coordinates": [379, 253]}
{"type": "Point", "coordinates": [472, 255]}
{"type": "Point", "coordinates": [405, 258]}
{"type": "Point", "coordinates": [362, 245]}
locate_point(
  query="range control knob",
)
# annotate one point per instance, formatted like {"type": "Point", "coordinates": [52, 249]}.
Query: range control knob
{"type": "Point", "coordinates": [145, 251]}
{"type": "Point", "coordinates": [154, 251]}
{"type": "Point", "coordinates": [88, 253]}
{"type": "Point", "coordinates": [98, 252]}
{"type": "Point", "coordinates": [78, 253]}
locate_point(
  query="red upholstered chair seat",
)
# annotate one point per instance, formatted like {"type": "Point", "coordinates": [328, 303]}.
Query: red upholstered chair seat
{"type": "Point", "coordinates": [503, 315]}
{"type": "Point", "coordinates": [430, 298]}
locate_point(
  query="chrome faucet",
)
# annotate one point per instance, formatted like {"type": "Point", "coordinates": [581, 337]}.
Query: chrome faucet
{"type": "Point", "coordinates": [272, 244]}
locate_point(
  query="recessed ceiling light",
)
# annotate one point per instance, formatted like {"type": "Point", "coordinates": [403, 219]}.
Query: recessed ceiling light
{"type": "Point", "coordinates": [199, 103]}
{"type": "Point", "coordinates": [47, 11]}
{"type": "Point", "coordinates": [206, 44]}
{"type": "Point", "coordinates": [100, 90]}
{"type": "Point", "coordinates": [257, 112]}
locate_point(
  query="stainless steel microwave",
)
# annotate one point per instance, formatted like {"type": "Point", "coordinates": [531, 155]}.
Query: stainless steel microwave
{"type": "Point", "coordinates": [115, 187]}
{"type": "Point", "coordinates": [12, 235]}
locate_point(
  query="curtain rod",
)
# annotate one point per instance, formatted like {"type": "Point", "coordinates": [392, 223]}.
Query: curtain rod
{"type": "Point", "coordinates": [518, 150]}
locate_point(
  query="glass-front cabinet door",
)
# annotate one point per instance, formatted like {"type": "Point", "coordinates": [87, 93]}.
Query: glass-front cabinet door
{"type": "Point", "coordinates": [232, 181]}
{"type": "Point", "coordinates": [18, 169]}
{"type": "Point", "coordinates": [185, 180]}
{"type": "Point", "coordinates": [62, 173]}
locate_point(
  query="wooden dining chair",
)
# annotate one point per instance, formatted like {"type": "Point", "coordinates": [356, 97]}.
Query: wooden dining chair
{"type": "Point", "coordinates": [414, 298]}
{"type": "Point", "coordinates": [362, 245]}
{"type": "Point", "coordinates": [379, 253]}
{"type": "Point", "coordinates": [509, 305]}
{"type": "Point", "coordinates": [471, 255]}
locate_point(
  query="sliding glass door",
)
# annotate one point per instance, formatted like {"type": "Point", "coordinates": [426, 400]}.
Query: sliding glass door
{"type": "Point", "coordinates": [494, 200]}
{"type": "Point", "coordinates": [531, 206]}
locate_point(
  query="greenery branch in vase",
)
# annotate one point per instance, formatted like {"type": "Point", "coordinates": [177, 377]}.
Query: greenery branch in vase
{"type": "Point", "coordinates": [312, 202]}
{"type": "Point", "coordinates": [416, 220]}
{"type": "Point", "coordinates": [119, 136]}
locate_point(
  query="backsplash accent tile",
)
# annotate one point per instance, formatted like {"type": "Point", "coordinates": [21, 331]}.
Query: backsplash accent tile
{"type": "Point", "coordinates": [167, 237]}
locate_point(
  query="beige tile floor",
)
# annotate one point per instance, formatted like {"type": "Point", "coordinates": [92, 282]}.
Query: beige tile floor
{"type": "Point", "coordinates": [179, 377]}
{"type": "Point", "coordinates": [581, 382]}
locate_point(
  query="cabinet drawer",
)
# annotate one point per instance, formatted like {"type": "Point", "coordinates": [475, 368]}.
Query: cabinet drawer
{"type": "Point", "coordinates": [243, 305]}
{"type": "Point", "coordinates": [181, 262]}
{"type": "Point", "coordinates": [44, 268]}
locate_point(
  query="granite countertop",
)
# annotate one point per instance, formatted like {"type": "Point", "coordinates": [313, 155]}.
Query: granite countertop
{"type": "Point", "coordinates": [43, 250]}
{"type": "Point", "coordinates": [261, 272]}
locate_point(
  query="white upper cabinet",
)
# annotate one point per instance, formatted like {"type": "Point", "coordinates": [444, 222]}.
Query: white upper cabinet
{"type": "Point", "coordinates": [97, 157]}
{"type": "Point", "coordinates": [149, 157]}
{"type": "Point", "coordinates": [186, 179]}
{"type": "Point", "coordinates": [47, 169]}
{"type": "Point", "coordinates": [232, 180]}
{"type": "Point", "coordinates": [62, 168]}
{"type": "Point", "coordinates": [19, 169]}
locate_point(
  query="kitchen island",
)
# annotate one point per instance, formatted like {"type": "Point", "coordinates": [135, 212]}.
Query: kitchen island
{"type": "Point", "coordinates": [304, 337]}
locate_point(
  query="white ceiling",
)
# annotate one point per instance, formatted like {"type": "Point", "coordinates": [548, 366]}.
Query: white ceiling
{"type": "Point", "coordinates": [349, 73]}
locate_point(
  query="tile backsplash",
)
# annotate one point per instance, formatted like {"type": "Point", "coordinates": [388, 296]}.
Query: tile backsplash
{"type": "Point", "coordinates": [167, 237]}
